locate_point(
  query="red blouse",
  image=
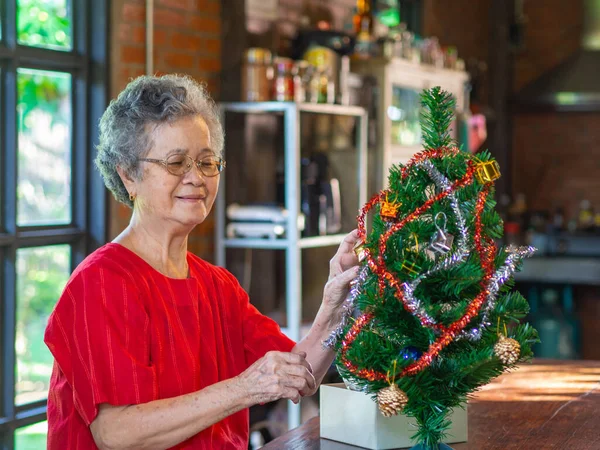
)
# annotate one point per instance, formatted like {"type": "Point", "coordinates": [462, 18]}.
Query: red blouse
{"type": "Point", "coordinates": [123, 333]}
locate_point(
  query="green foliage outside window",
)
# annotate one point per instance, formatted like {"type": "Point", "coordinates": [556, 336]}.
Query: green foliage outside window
{"type": "Point", "coordinates": [44, 23]}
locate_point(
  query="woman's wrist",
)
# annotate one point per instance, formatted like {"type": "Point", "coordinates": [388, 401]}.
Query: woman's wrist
{"type": "Point", "coordinates": [329, 316]}
{"type": "Point", "coordinates": [242, 392]}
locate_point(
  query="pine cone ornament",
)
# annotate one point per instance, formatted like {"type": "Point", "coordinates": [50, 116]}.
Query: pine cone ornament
{"type": "Point", "coordinates": [508, 350]}
{"type": "Point", "coordinates": [391, 400]}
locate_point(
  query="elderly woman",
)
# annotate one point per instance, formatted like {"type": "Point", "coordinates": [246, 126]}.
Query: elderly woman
{"type": "Point", "coordinates": [154, 347]}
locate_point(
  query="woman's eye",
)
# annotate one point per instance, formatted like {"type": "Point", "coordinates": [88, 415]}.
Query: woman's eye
{"type": "Point", "coordinates": [176, 162]}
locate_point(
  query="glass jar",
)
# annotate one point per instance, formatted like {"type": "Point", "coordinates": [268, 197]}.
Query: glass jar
{"type": "Point", "coordinates": [301, 80]}
{"type": "Point", "coordinates": [313, 85]}
{"type": "Point", "coordinates": [283, 84]}
{"type": "Point", "coordinates": [257, 75]}
{"type": "Point", "coordinates": [326, 88]}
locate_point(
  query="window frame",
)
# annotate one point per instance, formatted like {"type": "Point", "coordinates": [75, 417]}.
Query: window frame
{"type": "Point", "coordinates": [87, 62]}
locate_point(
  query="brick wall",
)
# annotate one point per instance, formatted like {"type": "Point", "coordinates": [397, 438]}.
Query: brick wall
{"type": "Point", "coordinates": [187, 39]}
{"type": "Point", "coordinates": [464, 24]}
{"type": "Point", "coordinates": [554, 155]}
{"type": "Point", "coordinates": [552, 34]}
{"type": "Point", "coordinates": [556, 159]}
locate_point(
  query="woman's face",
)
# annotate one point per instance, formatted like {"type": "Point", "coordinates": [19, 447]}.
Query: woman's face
{"type": "Point", "coordinates": [186, 199]}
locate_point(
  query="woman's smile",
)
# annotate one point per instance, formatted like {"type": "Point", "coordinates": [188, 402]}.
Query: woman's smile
{"type": "Point", "coordinates": [192, 198]}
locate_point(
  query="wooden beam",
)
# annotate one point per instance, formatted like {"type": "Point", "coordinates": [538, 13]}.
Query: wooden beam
{"type": "Point", "coordinates": [500, 88]}
{"type": "Point", "coordinates": [234, 39]}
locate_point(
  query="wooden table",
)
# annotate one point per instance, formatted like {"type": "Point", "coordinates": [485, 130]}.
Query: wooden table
{"type": "Point", "coordinates": [543, 405]}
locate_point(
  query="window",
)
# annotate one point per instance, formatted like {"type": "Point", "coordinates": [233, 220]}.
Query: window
{"type": "Point", "coordinates": [52, 200]}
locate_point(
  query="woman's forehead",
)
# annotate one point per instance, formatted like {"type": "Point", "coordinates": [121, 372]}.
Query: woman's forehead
{"type": "Point", "coordinates": [187, 135]}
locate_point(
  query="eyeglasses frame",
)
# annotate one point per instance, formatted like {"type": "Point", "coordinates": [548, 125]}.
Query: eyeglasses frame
{"type": "Point", "coordinates": [221, 164]}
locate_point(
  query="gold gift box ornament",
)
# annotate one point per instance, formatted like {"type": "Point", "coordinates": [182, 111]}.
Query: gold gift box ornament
{"type": "Point", "coordinates": [360, 251]}
{"type": "Point", "coordinates": [389, 209]}
{"type": "Point", "coordinates": [486, 172]}
{"type": "Point", "coordinates": [411, 268]}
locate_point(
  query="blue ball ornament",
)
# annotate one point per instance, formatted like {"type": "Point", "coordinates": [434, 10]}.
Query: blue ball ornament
{"type": "Point", "coordinates": [410, 353]}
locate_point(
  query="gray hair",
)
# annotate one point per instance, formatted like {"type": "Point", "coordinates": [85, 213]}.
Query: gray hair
{"type": "Point", "coordinates": [148, 100]}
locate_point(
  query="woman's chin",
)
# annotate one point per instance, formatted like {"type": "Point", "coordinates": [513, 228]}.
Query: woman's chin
{"type": "Point", "coordinates": [194, 218]}
{"type": "Point", "coordinates": [192, 221]}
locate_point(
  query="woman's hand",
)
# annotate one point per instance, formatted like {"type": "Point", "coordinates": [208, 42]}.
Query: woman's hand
{"type": "Point", "coordinates": [345, 258]}
{"type": "Point", "coordinates": [343, 268]}
{"type": "Point", "coordinates": [278, 375]}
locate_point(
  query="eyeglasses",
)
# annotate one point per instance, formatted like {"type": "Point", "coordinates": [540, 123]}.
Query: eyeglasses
{"type": "Point", "coordinates": [179, 164]}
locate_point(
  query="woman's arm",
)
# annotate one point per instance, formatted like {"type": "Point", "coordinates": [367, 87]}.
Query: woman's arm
{"type": "Point", "coordinates": [343, 268]}
{"type": "Point", "coordinates": [319, 358]}
{"type": "Point", "coordinates": [165, 423]}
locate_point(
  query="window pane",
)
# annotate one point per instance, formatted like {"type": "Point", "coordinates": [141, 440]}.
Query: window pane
{"type": "Point", "coordinates": [44, 23]}
{"type": "Point", "coordinates": [42, 273]}
{"type": "Point", "coordinates": [404, 113]}
{"type": "Point", "coordinates": [44, 160]}
{"type": "Point", "coordinates": [32, 437]}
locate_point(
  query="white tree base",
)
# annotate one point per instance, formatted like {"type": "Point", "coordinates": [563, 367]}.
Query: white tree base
{"type": "Point", "coordinates": [351, 417]}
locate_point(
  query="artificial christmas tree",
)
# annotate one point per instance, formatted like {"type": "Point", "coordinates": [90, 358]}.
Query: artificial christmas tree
{"type": "Point", "coordinates": [432, 315]}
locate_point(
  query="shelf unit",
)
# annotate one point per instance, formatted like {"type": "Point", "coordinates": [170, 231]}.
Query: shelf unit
{"type": "Point", "coordinates": [293, 243]}
{"type": "Point", "coordinates": [282, 244]}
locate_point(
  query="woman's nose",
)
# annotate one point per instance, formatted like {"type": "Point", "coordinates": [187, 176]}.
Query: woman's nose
{"type": "Point", "coordinates": [195, 175]}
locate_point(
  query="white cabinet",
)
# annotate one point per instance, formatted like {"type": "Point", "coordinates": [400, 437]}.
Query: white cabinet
{"type": "Point", "coordinates": [400, 84]}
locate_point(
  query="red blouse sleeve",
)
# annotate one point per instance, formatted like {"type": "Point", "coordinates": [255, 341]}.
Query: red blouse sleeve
{"type": "Point", "coordinates": [99, 336]}
{"type": "Point", "coordinates": [261, 333]}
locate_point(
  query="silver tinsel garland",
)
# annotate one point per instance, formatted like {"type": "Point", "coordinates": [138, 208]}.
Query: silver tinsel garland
{"type": "Point", "coordinates": [500, 277]}
{"type": "Point", "coordinates": [462, 252]}
{"type": "Point", "coordinates": [348, 307]}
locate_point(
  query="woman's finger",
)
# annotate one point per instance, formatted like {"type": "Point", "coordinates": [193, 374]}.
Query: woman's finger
{"type": "Point", "coordinates": [301, 384]}
{"type": "Point", "coordinates": [347, 276]}
{"type": "Point", "coordinates": [300, 372]}
{"type": "Point", "coordinates": [350, 240]}
{"type": "Point", "coordinates": [337, 289]}
{"type": "Point", "coordinates": [297, 359]}
{"type": "Point", "coordinates": [291, 394]}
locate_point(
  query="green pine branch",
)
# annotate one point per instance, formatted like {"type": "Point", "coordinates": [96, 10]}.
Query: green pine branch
{"type": "Point", "coordinates": [436, 117]}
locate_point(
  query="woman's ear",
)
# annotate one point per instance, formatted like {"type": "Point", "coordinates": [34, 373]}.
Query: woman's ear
{"type": "Point", "coordinates": [127, 180]}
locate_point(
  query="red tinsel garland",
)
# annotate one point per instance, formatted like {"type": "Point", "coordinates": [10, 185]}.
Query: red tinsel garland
{"type": "Point", "coordinates": [486, 254]}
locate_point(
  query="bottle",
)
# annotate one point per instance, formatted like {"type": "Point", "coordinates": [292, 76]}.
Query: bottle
{"type": "Point", "coordinates": [512, 233]}
{"type": "Point", "coordinates": [597, 222]}
{"type": "Point", "coordinates": [585, 218]}
{"type": "Point", "coordinates": [363, 19]}
{"type": "Point", "coordinates": [570, 341]}
{"type": "Point", "coordinates": [547, 321]}
{"type": "Point", "coordinates": [518, 210]}
{"type": "Point", "coordinates": [256, 75]}
{"type": "Point", "coordinates": [363, 29]}
{"type": "Point", "coordinates": [326, 88]}
{"type": "Point", "coordinates": [300, 81]}
{"type": "Point", "coordinates": [558, 220]}
{"type": "Point", "coordinates": [283, 85]}
{"type": "Point", "coordinates": [314, 85]}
